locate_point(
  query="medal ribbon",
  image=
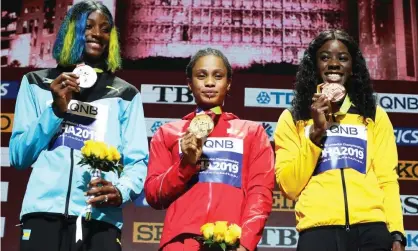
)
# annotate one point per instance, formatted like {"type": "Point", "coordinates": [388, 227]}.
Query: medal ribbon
{"type": "Point", "coordinates": [344, 107]}
{"type": "Point", "coordinates": [98, 70]}
{"type": "Point", "coordinates": [217, 110]}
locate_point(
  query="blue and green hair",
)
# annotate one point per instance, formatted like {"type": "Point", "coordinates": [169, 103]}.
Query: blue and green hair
{"type": "Point", "coordinates": [70, 42]}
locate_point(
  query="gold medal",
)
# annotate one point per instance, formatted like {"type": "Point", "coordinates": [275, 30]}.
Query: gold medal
{"type": "Point", "coordinates": [201, 125]}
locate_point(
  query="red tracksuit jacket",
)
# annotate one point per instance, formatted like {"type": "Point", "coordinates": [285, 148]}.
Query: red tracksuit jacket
{"type": "Point", "coordinates": [236, 186]}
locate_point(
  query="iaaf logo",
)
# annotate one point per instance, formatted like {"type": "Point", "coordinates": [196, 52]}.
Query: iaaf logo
{"type": "Point", "coordinates": [269, 127]}
{"type": "Point", "coordinates": [153, 124]}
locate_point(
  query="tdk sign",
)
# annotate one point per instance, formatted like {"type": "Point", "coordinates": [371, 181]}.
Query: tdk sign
{"type": "Point", "coordinates": [277, 98]}
{"type": "Point", "coordinates": [406, 136]}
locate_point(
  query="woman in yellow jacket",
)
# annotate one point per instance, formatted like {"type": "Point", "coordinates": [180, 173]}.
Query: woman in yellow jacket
{"type": "Point", "coordinates": [336, 153]}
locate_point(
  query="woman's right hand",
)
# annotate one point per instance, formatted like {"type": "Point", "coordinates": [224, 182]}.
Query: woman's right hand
{"type": "Point", "coordinates": [192, 148]}
{"type": "Point", "coordinates": [320, 110]}
{"type": "Point", "coordinates": [62, 89]}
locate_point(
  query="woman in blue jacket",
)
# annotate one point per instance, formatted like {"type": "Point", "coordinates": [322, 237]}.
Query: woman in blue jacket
{"type": "Point", "coordinates": [55, 115]}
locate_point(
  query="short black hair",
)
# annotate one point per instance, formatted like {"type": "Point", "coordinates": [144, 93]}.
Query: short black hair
{"type": "Point", "coordinates": [207, 52]}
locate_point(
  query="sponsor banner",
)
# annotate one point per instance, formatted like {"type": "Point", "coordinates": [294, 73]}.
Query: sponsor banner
{"type": "Point", "coordinates": [7, 122]}
{"type": "Point", "coordinates": [409, 204]}
{"type": "Point", "coordinates": [273, 237]}
{"type": "Point", "coordinates": [141, 201]}
{"type": "Point", "coordinates": [9, 89]}
{"type": "Point", "coordinates": [404, 103]}
{"type": "Point", "coordinates": [279, 237]}
{"type": "Point", "coordinates": [407, 170]}
{"type": "Point", "coordinates": [167, 94]}
{"type": "Point", "coordinates": [153, 124]}
{"type": "Point", "coordinates": [281, 203]}
{"type": "Point", "coordinates": [221, 161]}
{"type": "Point", "coordinates": [282, 98]}
{"type": "Point", "coordinates": [84, 121]}
{"type": "Point", "coordinates": [5, 161]}
{"type": "Point", "coordinates": [147, 232]}
{"type": "Point", "coordinates": [4, 190]}
{"type": "Point", "coordinates": [411, 240]}
{"type": "Point", "coordinates": [269, 127]}
{"type": "Point", "coordinates": [403, 136]}
{"type": "Point", "coordinates": [277, 98]}
{"type": "Point", "coordinates": [2, 224]}
{"type": "Point", "coordinates": [344, 146]}
{"type": "Point", "coordinates": [406, 136]}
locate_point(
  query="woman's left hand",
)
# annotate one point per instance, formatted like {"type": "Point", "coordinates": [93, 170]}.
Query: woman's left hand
{"type": "Point", "coordinates": [105, 194]}
{"type": "Point", "coordinates": [397, 246]}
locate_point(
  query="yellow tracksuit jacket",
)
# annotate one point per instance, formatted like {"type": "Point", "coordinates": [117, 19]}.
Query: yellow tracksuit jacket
{"type": "Point", "coordinates": [352, 180]}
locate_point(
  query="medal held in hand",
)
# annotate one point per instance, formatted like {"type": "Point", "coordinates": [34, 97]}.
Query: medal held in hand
{"type": "Point", "coordinates": [201, 125]}
{"type": "Point", "coordinates": [334, 92]}
{"type": "Point", "coordinates": [86, 74]}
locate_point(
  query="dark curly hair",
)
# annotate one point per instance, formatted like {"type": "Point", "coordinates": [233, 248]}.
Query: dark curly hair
{"type": "Point", "coordinates": [358, 86]}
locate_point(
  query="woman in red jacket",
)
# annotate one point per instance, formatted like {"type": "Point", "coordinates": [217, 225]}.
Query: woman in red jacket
{"type": "Point", "coordinates": [227, 175]}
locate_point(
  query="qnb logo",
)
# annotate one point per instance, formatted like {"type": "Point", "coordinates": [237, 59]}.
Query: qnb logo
{"type": "Point", "coordinates": [155, 126]}
{"type": "Point", "coordinates": [83, 109]}
{"type": "Point", "coordinates": [406, 136]}
{"type": "Point", "coordinates": [399, 102]}
{"type": "Point", "coordinates": [343, 130]}
{"type": "Point", "coordinates": [263, 98]}
{"type": "Point", "coordinates": [226, 144]}
{"type": "Point", "coordinates": [268, 128]}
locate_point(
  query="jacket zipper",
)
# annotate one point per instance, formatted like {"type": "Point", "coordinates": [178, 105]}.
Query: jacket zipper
{"type": "Point", "coordinates": [347, 220]}
{"type": "Point", "coordinates": [67, 201]}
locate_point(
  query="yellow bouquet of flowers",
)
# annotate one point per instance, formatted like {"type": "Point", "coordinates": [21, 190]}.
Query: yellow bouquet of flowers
{"type": "Point", "coordinates": [220, 234]}
{"type": "Point", "coordinates": [99, 157]}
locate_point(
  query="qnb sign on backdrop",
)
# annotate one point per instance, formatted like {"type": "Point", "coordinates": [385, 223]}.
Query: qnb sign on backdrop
{"type": "Point", "coordinates": [282, 98]}
{"type": "Point", "coordinates": [167, 94]}
{"type": "Point", "coordinates": [391, 102]}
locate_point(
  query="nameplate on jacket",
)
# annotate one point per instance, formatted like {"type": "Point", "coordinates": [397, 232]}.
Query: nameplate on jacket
{"type": "Point", "coordinates": [221, 161]}
{"type": "Point", "coordinates": [345, 146]}
{"type": "Point", "coordinates": [83, 121]}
